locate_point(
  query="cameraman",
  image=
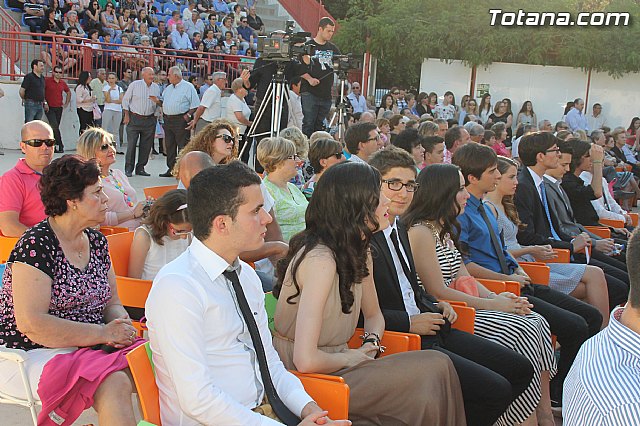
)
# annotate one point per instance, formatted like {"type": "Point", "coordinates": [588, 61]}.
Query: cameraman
{"type": "Point", "coordinates": [317, 78]}
{"type": "Point", "coordinates": [259, 79]}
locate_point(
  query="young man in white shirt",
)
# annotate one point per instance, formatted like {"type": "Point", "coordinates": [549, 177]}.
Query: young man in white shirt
{"type": "Point", "coordinates": [205, 354]}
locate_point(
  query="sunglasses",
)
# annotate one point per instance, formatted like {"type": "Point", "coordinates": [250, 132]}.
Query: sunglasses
{"type": "Point", "coordinates": [37, 143]}
{"type": "Point", "coordinates": [179, 232]}
{"type": "Point", "coordinates": [396, 93]}
{"type": "Point", "coordinates": [226, 138]}
{"type": "Point", "coordinates": [338, 155]}
{"type": "Point", "coordinates": [105, 146]}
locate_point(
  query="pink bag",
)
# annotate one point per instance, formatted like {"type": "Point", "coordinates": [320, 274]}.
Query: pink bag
{"type": "Point", "coordinates": [466, 284]}
{"type": "Point", "coordinates": [97, 114]}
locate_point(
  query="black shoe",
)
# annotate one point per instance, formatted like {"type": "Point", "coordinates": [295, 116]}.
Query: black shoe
{"type": "Point", "coordinates": [142, 173]}
{"type": "Point", "coordinates": [58, 150]}
{"type": "Point", "coordinates": [128, 174]}
{"type": "Point", "coordinates": [166, 174]}
{"type": "Point", "coordinates": [120, 153]}
{"type": "Point", "coordinates": [556, 408]}
{"type": "Point", "coordinates": [154, 152]}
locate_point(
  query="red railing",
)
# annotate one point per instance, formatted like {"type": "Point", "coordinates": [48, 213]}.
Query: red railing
{"type": "Point", "coordinates": [76, 55]}
{"type": "Point", "coordinates": [306, 13]}
{"type": "Point", "coordinates": [8, 24]}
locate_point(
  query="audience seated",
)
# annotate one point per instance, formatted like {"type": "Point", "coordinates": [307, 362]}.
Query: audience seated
{"type": "Point", "coordinates": [324, 284]}
{"type": "Point", "coordinates": [123, 208]}
{"type": "Point", "coordinates": [571, 320]}
{"type": "Point", "coordinates": [408, 308]}
{"type": "Point", "coordinates": [205, 359]}
{"type": "Point", "coordinates": [164, 235]}
{"type": "Point", "coordinates": [59, 294]}
{"type": "Point", "coordinates": [362, 140]}
{"type": "Point", "coordinates": [278, 157]}
{"type": "Point", "coordinates": [324, 153]}
{"type": "Point", "coordinates": [20, 205]}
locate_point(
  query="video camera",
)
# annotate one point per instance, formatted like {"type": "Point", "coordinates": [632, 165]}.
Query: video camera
{"type": "Point", "coordinates": [345, 62]}
{"type": "Point", "coordinates": [281, 46]}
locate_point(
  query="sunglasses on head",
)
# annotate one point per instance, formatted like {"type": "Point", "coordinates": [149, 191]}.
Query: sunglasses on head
{"type": "Point", "coordinates": [37, 143]}
{"type": "Point", "coordinates": [226, 138]}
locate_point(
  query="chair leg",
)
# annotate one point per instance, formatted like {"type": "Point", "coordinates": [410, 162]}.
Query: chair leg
{"type": "Point", "coordinates": [27, 388]}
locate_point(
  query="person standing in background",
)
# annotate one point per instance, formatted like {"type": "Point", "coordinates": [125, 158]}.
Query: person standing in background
{"type": "Point", "coordinates": [97, 85]}
{"type": "Point", "coordinates": [54, 87]}
{"type": "Point", "coordinates": [32, 92]}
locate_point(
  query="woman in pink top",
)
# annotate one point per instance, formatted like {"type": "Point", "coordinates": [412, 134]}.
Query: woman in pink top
{"type": "Point", "coordinates": [499, 147]}
{"type": "Point", "coordinates": [123, 206]}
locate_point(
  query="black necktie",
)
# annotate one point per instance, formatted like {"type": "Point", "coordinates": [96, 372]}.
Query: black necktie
{"type": "Point", "coordinates": [497, 246]}
{"type": "Point", "coordinates": [281, 410]}
{"type": "Point", "coordinates": [403, 263]}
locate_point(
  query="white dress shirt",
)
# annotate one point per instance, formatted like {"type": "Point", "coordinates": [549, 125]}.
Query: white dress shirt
{"type": "Point", "coordinates": [596, 123]}
{"type": "Point", "coordinates": [212, 103]}
{"type": "Point", "coordinates": [180, 98]}
{"type": "Point", "coordinates": [358, 102]}
{"type": "Point", "coordinates": [603, 385]}
{"type": "Point", "coordinates": [614, 211]}
{"type": "Point", "coordinates": [405, 286]}
{"type": "Point", "coordinates": [206, 367]}
{"type": "Point", "coordinates": [136, 98]}
{"type": "Point", "coordinates": [295, 110]}
{"type": "Point", "coordinates": [537, 180]}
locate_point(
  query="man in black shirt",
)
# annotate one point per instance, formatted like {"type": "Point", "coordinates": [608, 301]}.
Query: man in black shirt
{"type": "Point", "coordinates": [32, 92]}
{"type": "Point", "coordinates": [318, 78]}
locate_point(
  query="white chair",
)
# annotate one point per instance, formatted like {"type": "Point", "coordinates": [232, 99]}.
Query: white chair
{"type": "Point", "coordinates": [18, 356]}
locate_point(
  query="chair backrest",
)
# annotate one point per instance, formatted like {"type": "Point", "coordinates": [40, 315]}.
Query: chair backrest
{"type": "Point", "coordinates": [564, 256]}
{"type": "Point", "coordinates": [6, 246]}
{"type": "Point", "coordinates": [142, 370]}
{"type": "Point", "coordinates": [270, 303]}
{"type": "Point", "coordinates": [119, 249]}
{"type": "Point", "coordinates": [466, 318]}
{"type": "Point", "coordinates": [158, 191]}
{"type": "Point", "coordinates": [539, 274]}
{"type": "Point", "coordinates": [394, 342]}
{"type": "Point", "coordinates": [133, 293]}
{"type": "Point", "coordinates": [600, 231]}
{"type": "Point", "coordinates": [614, 223]}
{"type": "Point", "coordinates": [110, 230]}
{"type": "Point", "coordinates": [332, 396]}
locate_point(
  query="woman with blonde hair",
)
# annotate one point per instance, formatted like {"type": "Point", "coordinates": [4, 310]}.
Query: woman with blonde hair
{"type": "Point", "coordinates": [218, 139]}
{"type": "Point", "coordinates": [123, 208]}
{"type": "Point", "coordinates": [305, 171]}
{"type": "Point", "coordinates": [278, 157]}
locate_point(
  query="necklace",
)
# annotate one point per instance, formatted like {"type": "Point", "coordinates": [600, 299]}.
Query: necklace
{"type": "Point", "coordinates": [119, 187]}
{"type": "Point", "coordinates": [447, 250]}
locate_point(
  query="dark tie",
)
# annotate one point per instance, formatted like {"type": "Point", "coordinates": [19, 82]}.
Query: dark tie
{"type": "Point", "coordinates": [403, 263]}
{"type": "Point", "coordinates": [497, 246]}
{"type": "Point", "coordinates": [543, 194]}
{"type": "Point", "coordinates": [281, 410]}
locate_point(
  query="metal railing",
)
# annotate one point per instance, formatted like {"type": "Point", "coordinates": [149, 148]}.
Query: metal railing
{"type": "Point", "coordinates": [79, 54]}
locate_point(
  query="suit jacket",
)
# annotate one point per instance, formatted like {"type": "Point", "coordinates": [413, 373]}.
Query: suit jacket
{"type": "Point", "coordinates": [531, 212]}
{"type": "Point", "coordinates": [562, 212]}
{"type": "Point", "coordinates": [617, 152]}
{"type": "Point", "coordinates": [388, 284]}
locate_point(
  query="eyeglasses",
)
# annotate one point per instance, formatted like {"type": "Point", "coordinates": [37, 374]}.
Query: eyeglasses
{"type": "Point", "coordinates": [396, 185]}
{"type": "Point", "coordinates": [226, 138]}
{"type": "Point", "coordinates": [37, 143]}
{"type": "Point", "coordinates": [555, 150]}
{"type": "Point", "coordinates": [179, 232]}
{"type": "Point", "coordinates": [294, 157]}
{"type": "Point", "coordinates": [376, 138]}
{"type": "Point", "coordinates": [127, 72]}
{"type": "Point", "coordinates": [57, 71]}
{"type": "Point", "coordinates": [105, 146]}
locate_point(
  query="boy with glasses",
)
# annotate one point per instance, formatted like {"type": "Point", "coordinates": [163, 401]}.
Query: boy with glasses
{"type": "Point", "coordinates": [362, 140]}
{"type": "Point", "coordinates": [20, 205]}
{"type": "Point", "coordinates": [54, 87]}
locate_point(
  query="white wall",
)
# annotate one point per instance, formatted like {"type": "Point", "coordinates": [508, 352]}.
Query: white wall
{"type": "Point", "coordinates": [548, 88]}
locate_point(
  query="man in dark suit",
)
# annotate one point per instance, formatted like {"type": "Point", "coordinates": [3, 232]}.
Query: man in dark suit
{"type": "Point", "coordinates": [480, 363]}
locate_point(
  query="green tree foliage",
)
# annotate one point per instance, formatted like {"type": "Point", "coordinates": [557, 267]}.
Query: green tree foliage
{"type": "Point", "coordinates": [403, 32]}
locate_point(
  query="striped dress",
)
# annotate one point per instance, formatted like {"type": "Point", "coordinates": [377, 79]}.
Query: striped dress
{"type": "Point", "coordinates": [527, 335]}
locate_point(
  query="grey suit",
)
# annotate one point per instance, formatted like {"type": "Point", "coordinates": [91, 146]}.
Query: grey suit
{"type": "Point", "coordinates": [561, 210]}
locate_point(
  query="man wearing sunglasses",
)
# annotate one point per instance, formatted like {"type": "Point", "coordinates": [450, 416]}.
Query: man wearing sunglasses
{"type": "Point", "coordinates": [20, 203]}
{"type": "Point", "coordinates": [54, 87]}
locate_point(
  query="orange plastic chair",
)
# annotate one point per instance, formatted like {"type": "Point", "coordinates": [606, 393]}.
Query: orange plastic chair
{"type": "Point", "coordinates": [394, 341]}
{"type": "Point", "coordinates": [133, 293]}
{"type": "Point", "coordinates": [6, 246]}
{"type": "Point", "coordinates": [564, 256]}
{"type": "Point", "coordinates": [156, 192]}
{"type": "Point", "coordinates": [498, 286]}
{"type": "Point", "coordinates": [614, 223]}
{"type": "Point", "coordinates": [331, 395]}
{"type": "Point", "coordinates": [466, 318]}
{"type": "Point", "coordinates": [538, 272]}
{"type": "Point", "coordinates": [600, 231]}
{"type": "Point", "coordinates": [110, 230]}
{"type": "Point", "coordinates": [119, 249]}
{"type": "Point", "coordinates": [634, 219]}
{"type": "Point", "coordinates": [142, 370]}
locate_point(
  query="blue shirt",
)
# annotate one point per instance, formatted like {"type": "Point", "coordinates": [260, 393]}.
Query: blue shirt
{"type": "Point", "coordinates": [577, 120]}
{"type": "Point", "coordinates": [245, 32]}
{"type": "Point", "coordinates": [180, 42]}
{"type": "Point", "coordinates": [603, 385]}
{"type": "Point", "coordinates": [180, 98]}
{"type": "Point", "coordinates": [475, 237]}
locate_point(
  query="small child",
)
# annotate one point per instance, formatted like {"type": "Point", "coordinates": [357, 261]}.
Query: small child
{"type": "Point", "coordinates": [165, 234]}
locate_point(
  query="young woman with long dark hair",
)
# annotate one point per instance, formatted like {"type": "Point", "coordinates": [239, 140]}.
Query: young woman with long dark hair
{"type": "Point", "coordinates": [326, 281]}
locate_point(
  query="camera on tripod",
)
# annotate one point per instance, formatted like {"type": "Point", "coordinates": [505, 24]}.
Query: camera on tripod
{"type": "Point", "coordinates": [345, 62]}
{"type": "Point", "coordinates": [281, 46]}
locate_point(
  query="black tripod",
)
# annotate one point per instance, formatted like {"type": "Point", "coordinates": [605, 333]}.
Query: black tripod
{"type": "Point", "coordinates": [277, 93]}
{"type": "Point", "coordinates": [341, 108]}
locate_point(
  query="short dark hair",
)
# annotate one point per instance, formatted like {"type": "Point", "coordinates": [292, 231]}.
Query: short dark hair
{"type": "Point", "coordinates": [217, 191]}
{"type": "Point", "coordinates": [356, 133]}
{"type": "Point", "coordinates": [452, 135]}
{"type": "Point", "coordinates": [65, 179]}
{"type": "Point", "coordinates": [326, 21]}
{"type": "Point", "coordinates": [35, 62]}
{"type": "Point", "coordinates": [565, 147]}
{"type": "Point", "coordinates": [390, 158]}
{"type": "Point", "coordinates": [429, 142]}
{"type": "Point", "coordinates": [474, 159]}
{"type": "Point", "coordinates": [295, 80]}
{"type": "Point", "coordinates": [408, 139]}
{"type": "Point", "coordinates": [579, 149]}
{"type": "Point", "coordinates": [320, 149]}
{"type": "Point", "coordinates": [633, 252]}
{"type": "Point", "coordinates": [533, 144]}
